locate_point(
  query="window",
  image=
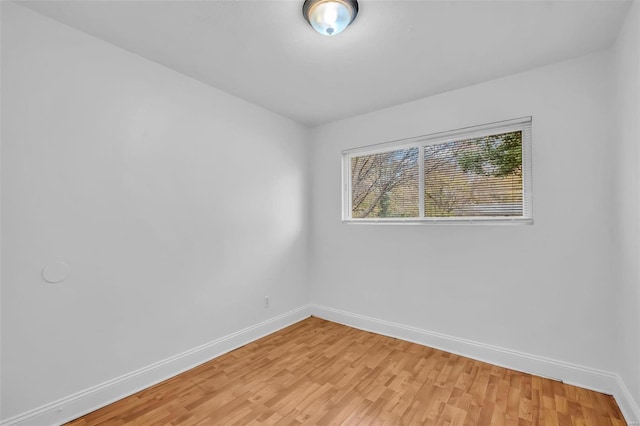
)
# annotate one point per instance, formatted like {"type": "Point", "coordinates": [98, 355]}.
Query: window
{"type": "Point", "coordinates": [478, 174]}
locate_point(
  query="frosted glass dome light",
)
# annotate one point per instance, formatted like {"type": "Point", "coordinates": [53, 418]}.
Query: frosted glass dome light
{"type": "Point", "coordinates": [330, 17]}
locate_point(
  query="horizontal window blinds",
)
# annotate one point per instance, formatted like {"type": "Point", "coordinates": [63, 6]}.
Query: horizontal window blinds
{"type": "Point", "coordinates": [479, 173]}
{"type": "Point", "coordinates": [474, 177]}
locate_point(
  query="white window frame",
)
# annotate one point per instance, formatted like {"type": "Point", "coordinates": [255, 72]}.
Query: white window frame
{"type": "Point", "coordinates": [519, 124]}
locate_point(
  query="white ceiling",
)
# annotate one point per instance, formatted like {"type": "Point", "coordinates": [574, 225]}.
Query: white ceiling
{"type": "Point", "coordinates": [395, 51]}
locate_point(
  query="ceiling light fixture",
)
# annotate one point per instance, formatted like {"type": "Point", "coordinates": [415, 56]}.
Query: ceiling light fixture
{"type": "Point", "coordinates": [330, 17]}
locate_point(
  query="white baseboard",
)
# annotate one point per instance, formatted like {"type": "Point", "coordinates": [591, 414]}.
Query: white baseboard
{"type": "Point", "coordinates": [589, 378]}
{"type": "Point", "coordinates": [627, 404]}
{"type": "Point", "coordinates": [81, 403]}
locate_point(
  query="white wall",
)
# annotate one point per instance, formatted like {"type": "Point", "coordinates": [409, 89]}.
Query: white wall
{"type": "Point", "coordinates": [544, 289]}
{"type": "Point", "coordinates": [626, 54]}
{"type": "Point", "coordinates": [176, 206]}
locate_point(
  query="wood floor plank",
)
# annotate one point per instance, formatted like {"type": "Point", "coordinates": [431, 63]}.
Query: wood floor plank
{"type": "Point", "coordinates": [317, 372]}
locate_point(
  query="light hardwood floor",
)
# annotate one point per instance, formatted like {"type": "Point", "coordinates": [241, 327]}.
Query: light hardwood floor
{"type": "Point", "coordinates": [317, 372]}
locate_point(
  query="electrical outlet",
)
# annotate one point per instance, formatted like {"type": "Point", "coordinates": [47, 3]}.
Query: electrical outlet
{"type": "Point", "coordinates": [266, 301]}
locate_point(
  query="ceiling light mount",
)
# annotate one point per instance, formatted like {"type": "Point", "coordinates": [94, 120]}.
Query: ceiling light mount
{"type": "Point", "coordinates": [330, 17]}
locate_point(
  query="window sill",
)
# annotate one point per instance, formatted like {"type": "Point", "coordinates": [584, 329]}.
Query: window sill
{"type": "Point", "coordinates": [441, 221]}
